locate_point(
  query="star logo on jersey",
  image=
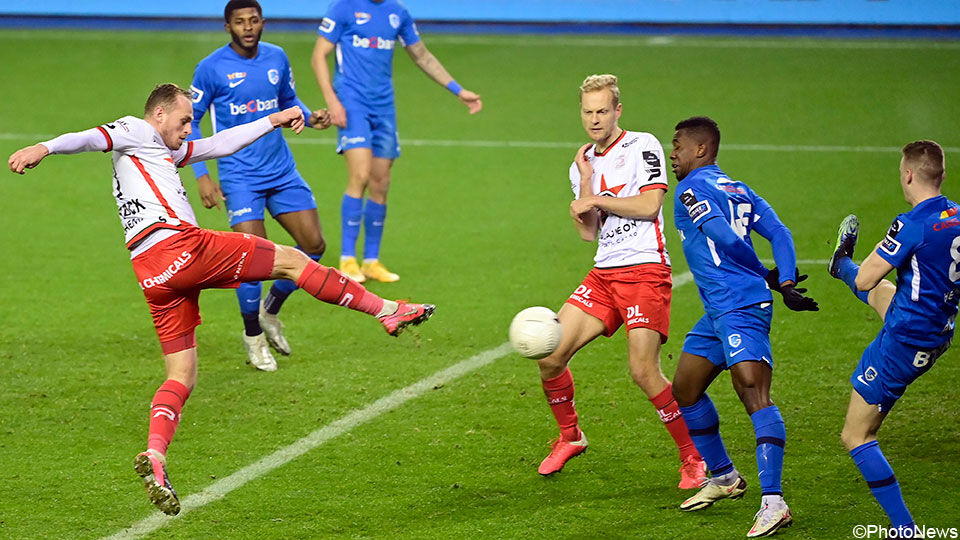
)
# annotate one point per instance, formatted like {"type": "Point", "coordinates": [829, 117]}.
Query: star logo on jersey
{"type": "Point", "coordinates": [362, 17]}
{"type": "Point", "coordinates": [609, 191]}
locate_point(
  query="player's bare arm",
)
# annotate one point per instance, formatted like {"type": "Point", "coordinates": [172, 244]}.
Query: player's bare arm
{"type": "Point", "coordinates": [872, 270]}
{"type": "Point", "coordinates": [27, 158]}
{"type": "Point", "coordinates": [321, 70]}
{"type": "Point", "coordinates": [290, 118]}
{"type": "Point", "coordinates": [645, 206]}
{"type": "Point", "coordinates": [319, 119]}
{"type": "Point", "coordinates": [585, 218]}
{"type": "Point", "coordinates": [209, 190]}
{"type": "Point", "coordinates": [428, 63]}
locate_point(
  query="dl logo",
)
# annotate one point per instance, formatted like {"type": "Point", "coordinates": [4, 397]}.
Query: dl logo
{"type": "Point", "coordinates": [734, 340]}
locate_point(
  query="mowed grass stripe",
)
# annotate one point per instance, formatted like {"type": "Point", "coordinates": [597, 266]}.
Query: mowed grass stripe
{"type": "Point", "coordinates": [222, 487]}
{"type": "Point", "coordinates": [553, 144]}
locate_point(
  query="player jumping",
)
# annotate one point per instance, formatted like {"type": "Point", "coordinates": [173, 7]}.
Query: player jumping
{"type": "Point", "coordinates": [715, 216]}
{"type": "Point", "coordinates": [918, 313]}
{"type": "Point", "coordinates": [618, 182]}
{"type": "Point", "coordinates": [174, 259]}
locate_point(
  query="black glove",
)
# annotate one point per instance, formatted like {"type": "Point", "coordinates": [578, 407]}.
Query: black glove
{"type": "Point", "coordinates": [793, 296]}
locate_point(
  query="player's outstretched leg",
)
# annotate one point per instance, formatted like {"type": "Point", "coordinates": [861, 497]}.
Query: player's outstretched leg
{"type": "Point", "coordinates": [841, 265]}
{"type": "Point", "coordinates": [771, 437]}
{"type": "Point", "coordinates": [572, 442]}
{"type": "Point", "coordinates": [151, 465]}
{"type": "Point", "coordinates": [331, 286]}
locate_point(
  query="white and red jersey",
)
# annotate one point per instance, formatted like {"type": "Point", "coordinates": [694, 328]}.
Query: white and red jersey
{"type": "Point", "coordinates": [634, 163]}
{"type": "Point", "coordinates": [150, 195]}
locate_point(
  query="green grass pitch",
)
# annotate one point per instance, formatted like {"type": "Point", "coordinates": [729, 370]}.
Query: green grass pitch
{"type": "Point", "coordinates": [483, 231]}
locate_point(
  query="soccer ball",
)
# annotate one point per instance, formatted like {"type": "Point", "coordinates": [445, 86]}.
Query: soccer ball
{"type": "Point", "coordinates": [535, 332]}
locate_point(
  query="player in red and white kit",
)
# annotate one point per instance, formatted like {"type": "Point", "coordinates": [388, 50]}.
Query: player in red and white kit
{"type": "Point", "coordinates": [618, 182]}
{"type": "Point", "coordinates": [174, 259]}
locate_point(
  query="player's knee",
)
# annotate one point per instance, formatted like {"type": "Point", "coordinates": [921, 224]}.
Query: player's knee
{"type": "Point", "coordinates": [852, 438]}
{"type": "Point", "coordinates": [315, 247]}
{"type": "Point", "coordinates": [553, 365]}
{"type": "Point", "coordinates": [288, 263]}
{"type": "Point", "coordinates": [646, 373]}
{"type": "Point", "coordinates": [684, 394]}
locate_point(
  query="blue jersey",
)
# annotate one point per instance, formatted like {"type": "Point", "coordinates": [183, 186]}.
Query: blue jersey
{"type": "Point", "coordinates": [924, 246]}
{"type": "Point", "coordinates": [725, 282]}
{"type": "Point", "coordinates": [365, 34]}
{"type": "Point", "coordinates": [238, 90]}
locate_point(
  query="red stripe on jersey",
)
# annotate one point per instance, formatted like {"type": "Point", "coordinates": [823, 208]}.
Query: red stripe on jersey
{"type": "Point", "coordinates": [189, 153]}
{"type": "Point", "coordinates": [660, 246]}
{"type": "Point", "coordinates": [653, 186]}
{"type": "Point", "coordinates": [153, 186]}
{"type": "Point", "coordinates": [614, 143]}
{"type": "Point", "coordinates": [152, 229]}
{"type": "Point", "coordinates": [109, 140]}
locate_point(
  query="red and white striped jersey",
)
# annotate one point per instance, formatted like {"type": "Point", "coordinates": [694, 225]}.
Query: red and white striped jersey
{"type": "Point", "coordinates": [146, 184]}
{"type": "Point", "coordinates": [634, 163]}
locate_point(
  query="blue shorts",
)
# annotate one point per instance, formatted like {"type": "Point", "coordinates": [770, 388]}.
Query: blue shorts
{"type": "Point", "coordinates": [887, 368]}
{"type": "Point", "coordinates": [368, 127]}
{"type": "Point", "coordinates": [735, 336]}
{"type": "Point", "coordinates": [290, 194]}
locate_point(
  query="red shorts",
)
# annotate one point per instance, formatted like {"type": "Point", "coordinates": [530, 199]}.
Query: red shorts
{"type": "Point", "coordinates": [173, 272]}
{"type": "Point", "coordinates": [639, 295]}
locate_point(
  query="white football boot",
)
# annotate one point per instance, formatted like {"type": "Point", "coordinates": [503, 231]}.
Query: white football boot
{"type": "Point", "coordinates": [259, 352]}
{"type": "Point", "coordinates": [273, 329]}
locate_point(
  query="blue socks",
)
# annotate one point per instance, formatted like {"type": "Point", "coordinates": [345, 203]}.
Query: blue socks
{"type": "Point", "coordinates": [771, 438]}
{"type": "Point", "coordinates": [374, 215]}
{"type": "Point", "coordinates": [248, 294]}
{"type": "Point", "coordinates": [704, 426]}
{"type": "Point", "coordinates": [882, 482]}
{"type": "Point", "coordinates": [351, 211]}
{"type": "Point", "coordinates": [847, 269]}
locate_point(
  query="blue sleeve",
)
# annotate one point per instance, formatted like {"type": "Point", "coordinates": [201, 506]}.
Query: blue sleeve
{"type": "Point", "coordinates": [408, 30]}
{"type": "Point", "coordinates": [902, 240]}
{"type": "Point", "coordinates": [203, 94]}
{"type": "Point", "coordinates": [288, 90]}
{"type": "Point", "coordinates": [731, 245]}
{"type": "Point", "coordinates": [768, 224]}
{"type": "Point", "coordinates": [335, 21]}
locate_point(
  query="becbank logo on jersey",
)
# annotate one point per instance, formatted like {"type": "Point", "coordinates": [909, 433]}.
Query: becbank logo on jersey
{"type": "Point", "coordinates": [254, 105]}
{"type": "Point", "coordinates": [374, 43]}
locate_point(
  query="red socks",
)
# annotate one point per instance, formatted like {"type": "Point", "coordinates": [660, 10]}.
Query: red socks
{"type": "Point", "coordinates": [559, 392]}
{"type": "Point", "coordinates": [329, 285]}
{"type": "Point", "coordinates": [165, 414]}
{"type": "Point", "coordinates": [670, 415]}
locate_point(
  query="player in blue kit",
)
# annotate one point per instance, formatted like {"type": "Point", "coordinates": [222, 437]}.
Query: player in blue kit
{"type": "Point", "coordinates": [918, 314]}
{"type": "Point", "coordinates": [364, 34]}
{"type": "Point", "coordinates": [715, 216]}
{"type": "Point", "coordinates": [239, 83]}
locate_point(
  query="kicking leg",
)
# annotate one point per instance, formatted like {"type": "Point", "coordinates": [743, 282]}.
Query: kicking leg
{"type": "Point", "coordinates": [579, 328]}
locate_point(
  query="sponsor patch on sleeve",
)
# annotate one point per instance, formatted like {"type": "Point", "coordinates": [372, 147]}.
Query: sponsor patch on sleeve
{"type": "Point", "coordinates": [327, 25]}
{"type": "Point", "coordinates": [890, 245]}
{"type": "Point", "coordinates": [197, 93]}
{"type": "Point", "coordinates": [696, 209]}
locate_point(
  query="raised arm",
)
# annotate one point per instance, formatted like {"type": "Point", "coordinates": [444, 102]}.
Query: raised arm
{"type": "Point", "coordinates": [585, 216]}
{"type": "Point", "coordinates": [89, 140]}
{"type": "Point", "coordinates": [230, 140]}
{"type": "Point", "coordinates": [427, 62]}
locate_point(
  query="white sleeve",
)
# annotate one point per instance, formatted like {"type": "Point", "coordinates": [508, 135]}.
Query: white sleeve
{"type": "Point", "coordinates": [652, 166]}
{"type": "Point", "coordinates": [223, 143]}
{"type": "Point", "coordinates": [575, 180]}
{"type": "Point", "coordinates": [88, 140]}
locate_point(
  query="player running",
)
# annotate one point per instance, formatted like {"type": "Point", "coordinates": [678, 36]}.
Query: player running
{"type": "Point", "coordinates": [174, 259]}
{"type": "Point", "coordinates": [618, 185]}
{"type": "Point", "coordinates": [715, 216]}
{"type": "Point", "coordinates": [241, 82]}
{"type": "Point", "coordinates": [918, 313]}
{"type": "Point", "coordinates": [360, 99]}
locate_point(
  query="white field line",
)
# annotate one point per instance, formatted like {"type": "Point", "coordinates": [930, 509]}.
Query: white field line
{"type": "Point", "coordinates": [527, 40]}
{"type": "Point", "coordinates": [434, 143]}
{"type": "Point", "coordinates": [344, 424]}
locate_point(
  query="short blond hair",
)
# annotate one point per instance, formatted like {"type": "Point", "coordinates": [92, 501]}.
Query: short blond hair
{"type": "Point", "coordinates": [594, 83]}
{"type": "Point", "coordinates": [164, 95]}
